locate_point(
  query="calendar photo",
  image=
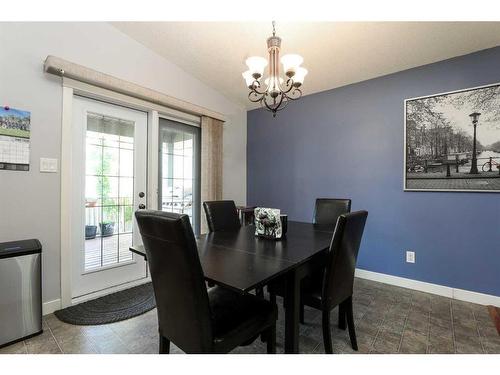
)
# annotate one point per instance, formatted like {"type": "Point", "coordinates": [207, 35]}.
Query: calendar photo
{"type": "Point", "coordinates": [14, 139]}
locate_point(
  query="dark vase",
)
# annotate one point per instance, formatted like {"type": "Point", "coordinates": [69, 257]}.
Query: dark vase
{"type": "Point", "coordinates": [284, 224]}
{"type": "Point", "coordinates": [90, 231]}
{"type": "Point", "coordinates": [107, 229]}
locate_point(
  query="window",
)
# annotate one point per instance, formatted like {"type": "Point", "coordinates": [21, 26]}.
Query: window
{"type": "Point", "coordinates": [179, 167]}
{"type": "Point", "coordinates": [109, 191]}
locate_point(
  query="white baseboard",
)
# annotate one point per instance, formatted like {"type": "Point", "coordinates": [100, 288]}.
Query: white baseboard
{"type": "Point", "coordinates": [446, 291]}
{"type": "Point", "coordinates": [51, 306]}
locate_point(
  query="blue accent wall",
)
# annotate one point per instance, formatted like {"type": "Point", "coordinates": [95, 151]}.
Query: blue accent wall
{"type": "Point", "coordinates": [348, 143]}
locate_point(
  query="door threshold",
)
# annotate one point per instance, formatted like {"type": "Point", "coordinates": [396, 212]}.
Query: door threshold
{"type": "Point", "coordinates": [110, 290]}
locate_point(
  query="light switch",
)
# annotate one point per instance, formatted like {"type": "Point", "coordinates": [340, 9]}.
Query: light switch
{"type": "Point", "coordinates": [48, 165]}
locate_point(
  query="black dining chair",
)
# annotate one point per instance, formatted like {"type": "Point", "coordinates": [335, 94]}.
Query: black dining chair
{"type": "Point", "coordinates": [195, 319]}
{"type": "Point", "coordinates": [221, 216]}
{"type": "Point", "coordinates": [326, 213]}
{"type": "Point", "coordinates": [336, 288]}
{"type": "Point", "coordinates": [328, 210]}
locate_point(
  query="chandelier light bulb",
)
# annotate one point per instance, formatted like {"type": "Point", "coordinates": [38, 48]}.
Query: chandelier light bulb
{"type": "Point", "coordinates": [298, 78]}
{"type": "Point", "coordinates": [273, 87]}
{"type": "Point", "coordinates": [248, 77]}
{"type": "Point", "coordinates": [266, 81]}
{"type": "Point", "coordinates": [290, 63]}
{"type": "Point", "coordinates": [256, 65]}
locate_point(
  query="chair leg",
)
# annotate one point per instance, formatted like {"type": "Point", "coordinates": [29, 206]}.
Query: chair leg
{"type": "Point", "coordinates": [327, 337]}
{"type": "Point", "coordinates": [164, 345]}
{"type": "Point", "coordinates": [302, 314]}
{"type": "Point", "coordinates": [342, 315]}
{"type": "Point", "coordinates": [271, 339]}
{"type": "Point", "coordinates": [350, 323]}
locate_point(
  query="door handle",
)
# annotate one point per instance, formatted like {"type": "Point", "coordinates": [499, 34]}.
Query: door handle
{"type": "Point", "coordinates": [141, 194]}
{"type": "Point", "coordinates": [142, 206]}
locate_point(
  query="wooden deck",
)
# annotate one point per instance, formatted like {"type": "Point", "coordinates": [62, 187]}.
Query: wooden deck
{"type": "Point", "coordinates": [111, 252]}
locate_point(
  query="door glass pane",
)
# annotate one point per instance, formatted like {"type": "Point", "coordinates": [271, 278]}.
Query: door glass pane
{"type": "Point", "coordinates": [179, 170]}
{"type": "Point", "coordinates": [109, 189]}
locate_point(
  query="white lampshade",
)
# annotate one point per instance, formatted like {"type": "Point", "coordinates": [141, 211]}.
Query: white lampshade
{"type": "Point", "coordinates": [249, 79]}
{"type": "Point", "coordinates": [291, 62]}
{"type": "Point", "coordinates": [256, 65]}
{"type": "Point", "coordinates": [298, 78]}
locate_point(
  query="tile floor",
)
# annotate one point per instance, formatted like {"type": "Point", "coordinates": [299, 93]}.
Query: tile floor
{"type": "Point", "coordinates": [388, 320]}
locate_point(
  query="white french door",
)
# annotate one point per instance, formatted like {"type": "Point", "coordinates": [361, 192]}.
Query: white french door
{"type": "Point", "coordinates": [109, 168]}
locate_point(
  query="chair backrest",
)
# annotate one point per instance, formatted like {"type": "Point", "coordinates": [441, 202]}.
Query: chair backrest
{"type": "Point", "coordinates": [328, 210]}
{"type": "Point", "coordinates": [341, 261]}
{"type": "Point", "coordinates": [221, 216]}
{"type": "Point", "coordinates": [181, 297]}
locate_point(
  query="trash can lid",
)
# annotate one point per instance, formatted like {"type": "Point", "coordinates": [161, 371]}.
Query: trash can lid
{"type": "Point", "coordinates": [18, 248]}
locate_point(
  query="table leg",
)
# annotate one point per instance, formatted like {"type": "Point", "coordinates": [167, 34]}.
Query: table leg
{"type": "Point", "coordinates": [292, 309]}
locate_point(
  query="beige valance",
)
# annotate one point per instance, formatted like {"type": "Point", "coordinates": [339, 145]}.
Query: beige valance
{"type": "Point", "coordinates": [64, 68]}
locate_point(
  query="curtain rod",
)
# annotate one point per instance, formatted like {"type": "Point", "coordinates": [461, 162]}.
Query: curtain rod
{"type": "Point", "coordinates": [63, 68]}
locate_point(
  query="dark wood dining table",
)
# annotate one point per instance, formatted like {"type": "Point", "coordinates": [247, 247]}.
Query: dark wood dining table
{"type": "Point", "coordinates": [243, 262]}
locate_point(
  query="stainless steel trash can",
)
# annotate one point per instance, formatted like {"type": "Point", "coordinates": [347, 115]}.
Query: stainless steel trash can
{"type": "Point", "coordinates": [20, 290]}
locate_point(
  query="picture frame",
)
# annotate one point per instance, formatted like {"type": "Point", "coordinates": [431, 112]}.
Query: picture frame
{"type": "Point", "coordinates": [440, 131]}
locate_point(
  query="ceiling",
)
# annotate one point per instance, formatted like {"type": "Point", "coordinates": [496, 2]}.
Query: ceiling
{"type": "Point", "coordinates": [335, 53]}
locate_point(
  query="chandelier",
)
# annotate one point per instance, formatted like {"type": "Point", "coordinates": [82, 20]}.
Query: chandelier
{"type": "Point", "coordinates": [273, 94]}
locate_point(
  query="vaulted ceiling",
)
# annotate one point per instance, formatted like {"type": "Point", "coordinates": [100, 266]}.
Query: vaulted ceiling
{"type": "Point", "coordinates": [335, 53]}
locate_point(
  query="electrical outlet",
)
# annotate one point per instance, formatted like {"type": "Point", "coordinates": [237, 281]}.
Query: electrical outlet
{"type": "Point", "coordinates": [410, 257]}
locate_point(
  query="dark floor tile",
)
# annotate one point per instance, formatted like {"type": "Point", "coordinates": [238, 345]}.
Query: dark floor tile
{"type": "Point", "coordinates": [413, 342]}
{"type": "Point", "coordinates": [66, 332]}
{"type": "Point", "coordinates": [78, 345]}
{"type": "Point", "coordinates": [418, 322]}
{"type": "Point", "coordinates": [387, 342]}
{"type": "Point", "coordinates": [395, 318]}
{"type": "Point", "coordinates": [440, 345]}
{"type": "Point", "coordinates": [17, 348]}
{"type": "Point", "coordinates": [464, 348]}
{"type": "Point", "coordinates": [365, 342]}
{"type": "Point", "coordinates": [392, 327]}
{"type": "Point", "coordinates": [441, 323]}
{"type": "Point", "coordinates": [482, 314]}
{"type": "Point", "coordinates": [374, 318]}
{"type": "Point", "coordinates": [441, 315]}
{"type": "Point", "coordinates": [487, 329]}
{"type": "Point", "coordinates": [440, 332]}
{"type": "Point", "coordinates": [465, 330]}
{"type": "Point", "coordinates": [343, 346]}
{"type": "Point", "coordinates": [362, 299]}
{"type": "Point", "coordinates": [367, 328]}
{"type": "Point", "coordinates": [257, 347]}
{"type": "Point", "coordinates": [42, 344]}
{"type": "Point", "coordinates": [463, 315]}
{"type": "Point", "coordinates": [110, 345]}
{"type": "Point", "coordinates": [491, 345]}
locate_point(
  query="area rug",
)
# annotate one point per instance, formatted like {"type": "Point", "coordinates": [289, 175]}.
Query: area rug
{"type": "Point", "coordinates": [114, 307]}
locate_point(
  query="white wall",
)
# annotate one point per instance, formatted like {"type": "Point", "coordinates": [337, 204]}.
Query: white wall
{"type": "Point", "coordinates": [30, 201]}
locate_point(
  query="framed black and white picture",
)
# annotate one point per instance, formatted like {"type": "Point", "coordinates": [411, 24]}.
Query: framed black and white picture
{"type": "Point", "coordinates": [452, 141]}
